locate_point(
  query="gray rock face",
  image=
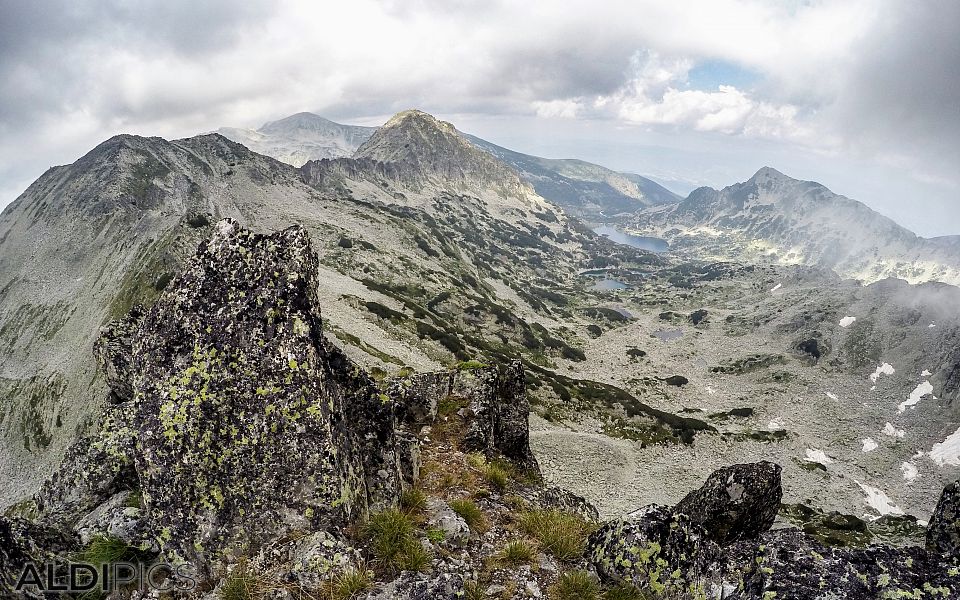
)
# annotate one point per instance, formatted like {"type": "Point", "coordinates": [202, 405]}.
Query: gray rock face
{"type": "Point", "coordinates": [943, 532]}
{"type": "Point", "coordinates": [498, 426]}
{"type": "Point", "coordinates": [736, 502]}
{"type": "Point", "coordinates": [565, 500]}
{"type": "Point", "coordinates": [441, 516]}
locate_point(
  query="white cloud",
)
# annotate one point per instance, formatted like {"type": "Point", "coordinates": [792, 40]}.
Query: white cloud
{"type": "Point", "coordinates": [869, 79]}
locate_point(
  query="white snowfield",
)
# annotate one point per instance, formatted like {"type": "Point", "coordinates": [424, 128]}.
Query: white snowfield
{"type": "Point", "coordinates": [869, 445]}
{"type": "Point", "coordinates": [947, 452]}
{"type": "Point", "coordinates": [847, 321]}
{"type": "Point", "coordinates": [879, 501]}
{"type": "Point", "coordinates": [884, 369]}
{"type": "Point", "coordinates": [924, 389]}
{"type": "Point", "coordinates": [910, 471]}
{"type": "Point", "coordinates": [818, 456]}
{"type": "Point", "coordinates": [892, 431]}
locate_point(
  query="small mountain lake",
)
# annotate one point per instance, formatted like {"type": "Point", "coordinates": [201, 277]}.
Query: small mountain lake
{"type": "Point", "coordinates": [608, 284]}
{"type": "Point", "coordinates": [637, 241]}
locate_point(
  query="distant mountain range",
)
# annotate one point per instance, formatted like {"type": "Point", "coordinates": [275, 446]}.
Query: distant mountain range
{"type": "Point", "coordinates": [592, 192]}
{"type": "Point", "coordinates": [774, 217]}
{"type": "Point", "coordinates": [300, 138]}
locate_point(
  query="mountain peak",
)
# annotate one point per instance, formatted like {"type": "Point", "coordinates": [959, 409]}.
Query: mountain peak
{"type": "Point", "coordinates": [425, 147]}
{"type": "Point", "coordinates": [769, 174]}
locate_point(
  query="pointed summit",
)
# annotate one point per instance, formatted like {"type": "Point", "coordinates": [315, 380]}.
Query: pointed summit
{"type": "Point", "coordinates": [769, 174]}
{"type": "Point", "coordinates": [426, 148]}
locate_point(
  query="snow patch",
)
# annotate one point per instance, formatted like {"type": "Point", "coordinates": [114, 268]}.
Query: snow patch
{"type": "Point", "coordinates": [869, 445]}
{"type": "Point", "coordinates": [926, 373]}
{"type": "Point", "coordinates": [924, 389]}
{"type": "Point", "coordinates": [947, 452]}
{"type": "Point", "coordinates": [932, 325]}
{"type": "Point", "coordinates": [775, 426]}
{"type": "Point", "coordinates": [879, 501]}
{"type": "Point", "coordinates": [818, 456]}
{"type": "Point", "coordinates": [884, 369]}
{"type": "Point", "coordinates": [910, 471]}
{"type": "Point", "coordinates": [847, 321]}
{"type": "Point", "coordinates": [892, 431]}
{"type": "Point", "coordinates": [831, 395]}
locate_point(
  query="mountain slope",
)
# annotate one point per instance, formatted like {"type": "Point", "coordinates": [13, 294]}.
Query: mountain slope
{"type": "Point", "coordinates": [301, 137]}
{"type": "Point", "coordinates": [774, 217]}
{"type": "Point", "coordinates": [583, 189]}
{"type": "Point", "coordinates": [413, 268]}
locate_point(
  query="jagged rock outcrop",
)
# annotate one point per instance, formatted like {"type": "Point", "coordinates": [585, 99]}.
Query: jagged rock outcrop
{"type": "Point", "coordinates": [736, 502]}
{"type": "Point", "coordinates": [943, 531]}
{"type": "Point", "coordinates": [248, 425]}
{"type": "Point", "coordinates": [495, 401]}
{"type": "Point", "coordinates": [664, 549]}
{"type": "Point", "coordinates": [234, 423]}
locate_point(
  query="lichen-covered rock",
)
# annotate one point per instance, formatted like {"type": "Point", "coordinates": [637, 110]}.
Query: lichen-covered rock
{"type": "Point", "coordinates": [94, 469]}
{"type": "Point", "coordinates": [309, 561]}
{"type": "Point", "coordinates": [943, 532]}
{"type": "Point", "coordinates": [654, 549]}
{"type": "Point", "coordinates": [567, 501]}
{"type": "Point", "coordinates": [440, 516]}
{"type": "Point", "coordinates": [23, 542]}
{"type": "Point", "coordinates": [500, 410]}
{"type": "Point", "coordinates": [113, 353]}
{"type": "Point", "coordinates": [122, 518]}
{"type": "Point", "coordinates": [736, 502]}
{"type": "Point", "coordinates": [249, 425]}
{"type": "Point", "coordinates": [420, 586]}
{"type": "Point", "coordinates": [417, 397]}
{"type": "Point", "coordinates": [788, 564]}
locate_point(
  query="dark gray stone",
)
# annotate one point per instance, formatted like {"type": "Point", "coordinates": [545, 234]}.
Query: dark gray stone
{"type": "Point", "coordinates": [736, 502]}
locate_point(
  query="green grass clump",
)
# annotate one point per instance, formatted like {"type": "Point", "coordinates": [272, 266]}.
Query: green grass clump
{"type": "Point", "coordinates": [469, 512]}
{"type": "Point", "coordinates": [497, 475]}
{"type": "Point", "coordinates": [105, 550]}
{"type": "Point", "coordinates": [562, 534]}
{"type": "Point", "coordinates": [575, 585]}
{"type": "Point", "coordinates": [516, 553]}
{"type": "Point", "coordinates": [350, 584]}
{"type": "Point", "coordinates": [466, 365]}
{"type": "Point", "coordinates": [241, 584]}
{"type": "Point", "coordinates": [436, 535]}
{"type": "Point", "coordinates": [391, 538]}
{"type": "Point", "coordinates": [474, 590]}
{"type": "Point", "coordinates": [413, 500]}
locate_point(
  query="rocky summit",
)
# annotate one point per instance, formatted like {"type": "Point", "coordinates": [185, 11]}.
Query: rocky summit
{"type": "Point", "coordinates": [248, 456]}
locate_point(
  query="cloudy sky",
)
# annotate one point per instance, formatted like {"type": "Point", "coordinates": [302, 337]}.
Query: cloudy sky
{"type": "Point", "coordinates": [861, 95]}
